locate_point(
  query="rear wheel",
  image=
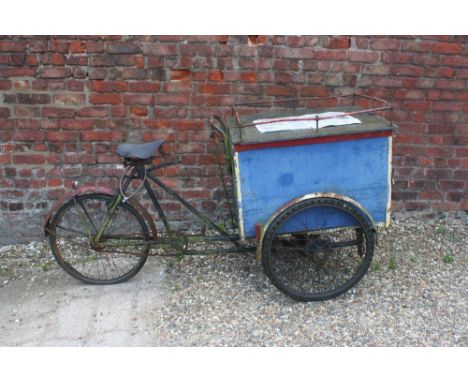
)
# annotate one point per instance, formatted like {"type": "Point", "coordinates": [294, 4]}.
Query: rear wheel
{"type": "Point", "coordinates": [116, 257]}
{"type": "Point", "coordinates": [318, 248]}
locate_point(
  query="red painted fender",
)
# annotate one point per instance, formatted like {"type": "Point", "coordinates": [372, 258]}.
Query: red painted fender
{"type": "Point", "coordinates": [100, 190]}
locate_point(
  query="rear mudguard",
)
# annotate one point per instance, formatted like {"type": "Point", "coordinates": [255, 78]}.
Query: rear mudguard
{"type": "Point", "coordinates": [306, 197]}
{"type": "Point", "coordinates": [100, 190]}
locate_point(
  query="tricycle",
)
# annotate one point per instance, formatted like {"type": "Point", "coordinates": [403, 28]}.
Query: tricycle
{"type": "Point", "coordinates": [309, 193]}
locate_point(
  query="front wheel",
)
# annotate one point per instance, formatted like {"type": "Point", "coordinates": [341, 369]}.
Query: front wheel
{"type": "Point", "coordinates": [318, 248]}
{"type": "Point", "coordinates": [116, 257]}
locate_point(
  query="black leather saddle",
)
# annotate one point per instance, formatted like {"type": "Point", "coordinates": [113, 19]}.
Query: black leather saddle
{"type": "Point", "coordinates": [138, 151]}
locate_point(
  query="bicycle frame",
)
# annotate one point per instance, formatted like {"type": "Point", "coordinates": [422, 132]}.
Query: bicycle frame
{"type": "Point", "coordinates": [140, 172]}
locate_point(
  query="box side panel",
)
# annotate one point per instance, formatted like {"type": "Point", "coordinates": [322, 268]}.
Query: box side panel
{"type": "Point", "coordinates": [269, 178]}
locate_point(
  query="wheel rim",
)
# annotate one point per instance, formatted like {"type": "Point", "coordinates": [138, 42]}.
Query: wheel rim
{"type": "Point", "coordinates": [317, 249]}
{"type": "Point", "coordinates": [107, 261]}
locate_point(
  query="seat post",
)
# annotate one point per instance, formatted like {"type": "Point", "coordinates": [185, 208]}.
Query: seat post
{"type": "Point", "coordinates": [140, 170]}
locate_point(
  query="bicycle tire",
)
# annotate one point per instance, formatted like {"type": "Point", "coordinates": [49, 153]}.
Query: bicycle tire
{"type": "Point", "coordinates": [343, 241]}
{"type": "Point", "coordinates": [106, 265]}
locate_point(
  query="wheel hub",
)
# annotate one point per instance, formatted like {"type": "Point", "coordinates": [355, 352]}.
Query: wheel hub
{"type": "Point", "coordinates": [319, 249]}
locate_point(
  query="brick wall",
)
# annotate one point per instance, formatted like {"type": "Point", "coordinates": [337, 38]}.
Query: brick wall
{"type": "Point", "coordinates": [66, 102]}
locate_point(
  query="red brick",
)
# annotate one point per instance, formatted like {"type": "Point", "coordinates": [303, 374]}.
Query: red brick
{"type": "Point", "coordinates": [179, 74]}
{"type": "Point", "coordinates": [455, 60]}
{"type": "Point", "coordinates": [73, 85]}
{"type": "Point", "coordinates": [248, 77]}
{"type": "Point", "coordinates": [62, 136]}
{"type": "Point", "coordinates": [12, 46]}
{"type": "Point", "coordinates": [256, 40]}
{"type": "Point", "coordinates": [110, 136]}
{"type": "Point", "coordinates": [4, 112]}
{"type": "Point", "coordinates": [409, 94]}
{"type": "Point", "coordinates": [385, 44]}
{"type": "Point", "coordinates": [28, 135]}
{"type": "Point", "coordinates": [172, 99]}
{"type": "Point", "coordinates": [330, 55]}
{"type": "Point", "coordinates": [55, 73]}
{"type": "Point", "coordinates": [94, 46]}
{"type": "Point", "coordinates": [339, 43]}
{"type": "Point", "coordinates": [57, 59]}
{"type": "Point", "coordinates": [119, 111]}
{"type": "Point", "coordinates": [447, 106]}
{"type": "Point", "coordinates": [4, 159]}
{"type": "Point", "coordinates": [361, 56]}
{"type": "Point", "coordinates": [54, 182]}
{"type": "Point", "coordinates": [112, 99]}
{"type": "Point", "coordinates": [75, 124]}
{"type": "Point", "coordinates": [139, 111]}
{"type": "Point", "coordinates": [33, 98]}
{"type": "Point", "coordinates": [216, 75]}
{"type": "Point", "coordinates": [396, 58]}
{"type": "Point", "coordinates": [57, 45]}
{"type": "Point", "coordinates": [157, 124]}
{"type": "Point", "coordinates": [17, 72]}
{"type": "Point", "coordinates": [57, 85]}
{"type": "Point", "coordinates": [108, 86]}
{"type": "Point", "coordinates": [450, 84]}
{"type": "Point", "coordinates": [410, 71]}
{"type": "Point", "coordinates": [447, 48]}
{"type": "Point", "coordinates": [77, 61]}
{"type": "Point", "coordinates": [77, 47]}
{"type": "Point", "coordinates": [5, 84]}
{"type": "Point", "coordinates": [178, 87]}
{"type": "Point", "coordinates": [57, 112]}
{"type": "Point", "coordinates": [187, 124]}
{"type": "Point", "coordinates": [448, 185]}
{"type": "Point", "coordinates": [417, 105]}
{"type": "Point", "coordinates": [96, 112]}
{"type": "Point", "coordinates": [108, 159]}
{"type": "Point", "coordinates": [138, 99]}
{"type": "Point", "coordinates": [144, 87]}
{"type": "Point", "coordinates": [377, 69]}
{"type": "Point", "coordinates": [28, 159]}
{"type": "Point", "coordinates": [151, 49]}
{"type": "Point", "coordinates": [280, 91]}
{"type": "Point", "coordinates": [425, 59]}
{"type": "Point", "coordinates": [416, 46]}
{"type": "Point", "coordinates": [214, 88]}
{"type": "Point", "coordinates": [461, 152]}
{"type": "Point", "coordinates": [134, 74]}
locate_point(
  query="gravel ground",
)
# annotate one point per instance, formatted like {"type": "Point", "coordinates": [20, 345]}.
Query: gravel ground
{"type": "Point", "coordinates": [415, 294]}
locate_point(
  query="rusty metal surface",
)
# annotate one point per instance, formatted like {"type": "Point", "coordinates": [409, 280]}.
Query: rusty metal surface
{"type": "Point", "coordinates": [250, 134]}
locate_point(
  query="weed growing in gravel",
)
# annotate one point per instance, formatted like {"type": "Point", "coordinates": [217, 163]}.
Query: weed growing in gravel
{"type": "Point", "coordinates": [393, 263]}
{"type": "Point", "coordinates": [376, 266]}
{"type": "Point", "coordinates": [448, 259]}
{"type": "Point", "coordinates": [441, 230]}
{"type": "Point", "coordinates": [45, 267]}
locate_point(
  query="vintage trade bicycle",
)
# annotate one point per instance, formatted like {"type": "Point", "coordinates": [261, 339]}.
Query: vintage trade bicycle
{"type": "Point", "coordinates": [310, 198]}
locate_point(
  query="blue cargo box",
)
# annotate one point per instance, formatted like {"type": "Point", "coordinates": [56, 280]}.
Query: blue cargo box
{"type": "Point", "coordinates": [271, 169]}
